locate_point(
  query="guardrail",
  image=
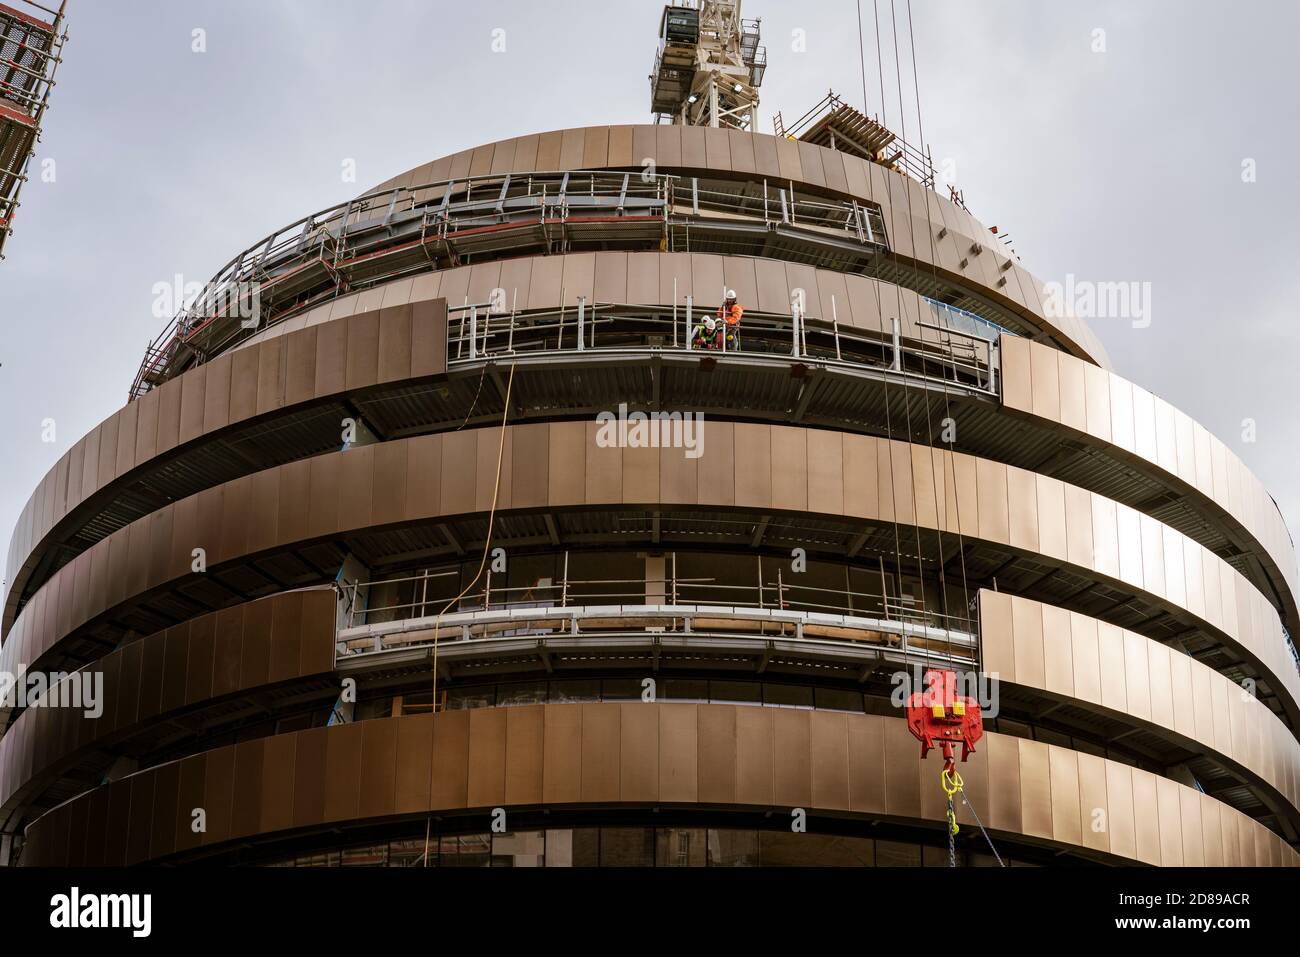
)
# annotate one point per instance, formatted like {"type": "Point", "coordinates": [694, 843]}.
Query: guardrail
{"type": "Point", "coordinates": [399, 231]}
{"type": "Point", "coordinates": [956, 347]}
{"type": "Point", "coordinates": [666, 625]}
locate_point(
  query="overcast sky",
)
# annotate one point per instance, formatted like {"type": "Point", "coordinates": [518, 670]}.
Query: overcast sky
{"type": "Point", "coordinates": [1122, 165]}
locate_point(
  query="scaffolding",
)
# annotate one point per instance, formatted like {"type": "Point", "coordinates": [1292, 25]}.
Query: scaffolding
{"type": "Point", "coordinates": [406, 230]}
{"type": "Point", "coordinates": [709, 66]}
{"type": "Point", "coordinates": [30, 52]}
{"type": "Point", "coordinates": [836, 125]}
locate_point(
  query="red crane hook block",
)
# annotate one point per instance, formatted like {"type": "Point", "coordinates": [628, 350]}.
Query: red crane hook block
{"type": "Point", "coordinates": [939, 716]}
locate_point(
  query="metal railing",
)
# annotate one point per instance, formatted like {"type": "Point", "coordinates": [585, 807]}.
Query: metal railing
{"type": "Point", "coordinates": [956, 348]}
{"type": "Point", "coordinates": [417, 601]}
{"type": "Point", "coordinates": [407, 229]}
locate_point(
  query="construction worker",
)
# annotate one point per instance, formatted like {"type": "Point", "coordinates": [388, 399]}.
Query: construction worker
{"type": "Point", "coordinates": [730, 312]}
{"type": "Point", "coordinates": [708, 333]}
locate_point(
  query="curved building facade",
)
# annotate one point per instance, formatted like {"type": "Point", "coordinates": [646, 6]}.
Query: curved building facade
{"type": "Point", "coordinates": [464, 551]}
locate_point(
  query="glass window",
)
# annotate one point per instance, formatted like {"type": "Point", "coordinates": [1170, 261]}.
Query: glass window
{"type": "Point", "coordinates": [566, 692]}
{"type": "Point", "coordinates": [529, 692]}
{"type": "Point", "coordinates": [936, 856]}
{"type": "Point", "coordinates": [519, 849]}
{"type": "Point", "coordinates": [465, 850]}
{"type": "Point", "coordinates": [576, 847]}
{"type": "Point", "coordinates": [620, 689]}
{"type": "Point", "coordinates": [788, 696]}
{"type": "Point", "coordinates": [627, 846]}
{"type": "Point", "coordinates": [680, 847]}
{"type": "Point", "coordinates": [735, 692]}
{"type": "Point", "coordinates": [481, 696]}
{"type": "Point", "coordinates": [408, 853]}
{"type": "Point", "coordinates": [786, 849]}
{"type": "Point", "coordinates": [684, 689]}
{"type": "Point", "coordinates": [895, 854]}
{"type": "Point", "coordinates": [836, 699]}
{"type": "Point", "coordinates": [373, 856]}
{"type": "Point", "coordinates": [733, 848]}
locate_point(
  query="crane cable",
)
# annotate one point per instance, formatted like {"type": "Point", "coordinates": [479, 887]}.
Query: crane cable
{"type": "Point", "coordinates": [487, 539]}
{"type": "Point", "coordinates": [880, 311]}
{"type": "Point", "coordinates": [950, 781]}
{"type": "Point", "coordinates": [949, 455]}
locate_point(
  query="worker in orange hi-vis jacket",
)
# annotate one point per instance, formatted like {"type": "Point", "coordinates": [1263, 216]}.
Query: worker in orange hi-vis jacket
{"type": "Point", "coordinates": [731, 311]}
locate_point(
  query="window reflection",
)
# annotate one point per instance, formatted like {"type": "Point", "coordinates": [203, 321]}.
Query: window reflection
{"type": "Point", "coordinates": [643, 847]}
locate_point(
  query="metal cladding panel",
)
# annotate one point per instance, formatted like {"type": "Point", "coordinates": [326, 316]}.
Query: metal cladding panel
{"type": "Point", "coordinates": [529, 483]}
{"type": "Point", "coordinates": [342, 780]}
{"type": "Point", "coordinates": [694, 147]}
{"type": "Point", "coordinates": [1058, 663]}
{"type": "Point", "coordinates": [218, 794]}
{"type": "Point", "coordinates": [679, 767]}
{"type": "Point", "coordinates": [1035, 788]}
{"type": "Point", "coordinates": [378, 769]}
{"type": "Point", "coordinates": [331, 358]}
{"type": "Point", "coordinates": [1063, 772]}
{"type": "Point", "coordinates": [640, 475]}
{"type": "Point", "coordinates": [486, 778]}
{"type": "Point", "coordinates": [679, 474]}
{"type": "Point", "coordinates": [495, 464]}
{"type": "Point", "coordinates": [752, 479]}
{"type": "Point", "coordinates": [308, 775]}
{"type": "Point", "coordinates": [620, 147]}
{"type": "Point", "coordinates": [825, 466]}
{"type": "Point", "coordinates": [423, 477]}
{"type": "Point", "coordinates": [449, 776]}
{"type": "Point", "coordinates": [286, 637]}
{"type": "Point", "coordinates": [524, 750]}
{"type": "Point", "coordinates": [902, 771]}
{"type": "Point", "coordinates": [394, 344]}
{"type": "Point", "coordinates": [414, 758]}
{"type": "Point", "coordinates": [609, 282]}
{"type": "Point", "coordinates": [643, 283]}
{"type": "Point", "coordinates": [860, 763]}
{"type": "Point", "coordinates": [828, 736]}
{"type": "Point", "coordinates": [228, 650]}
{"type": "Point", "coordinates": [562, 756]}
{"type": "Point", "coordinates": [664, 145]}
{"type": "Point", "coordinates": [1022, 509]}
{"type": "Point", "coordinates": [275, 802]}
{"type": "Point", "coordinates": [716, 750]}
{"type": "Point", "coordinates": [259, 636]}
{"type": "Point", "coordinates": [567, 463]}
{"type": "Point", "coordinates": [198, 670]}
{"type": "Point", "coordinates": [789, 458]}
{"type": "Point", "coordinates": [249, 786]}
{"type": "Point", "coordinates": [601, 755]}
{"type": "Point", "coordinates": [1170, 823]}
{"type": "Point", "coordinates": [638, 753]}
{"type": "Point", "coordinates": [755, 756]}
{"type": "Point", "coordinates": [391, 462]}
{"type": "Point", "coordinates": [866, 760]}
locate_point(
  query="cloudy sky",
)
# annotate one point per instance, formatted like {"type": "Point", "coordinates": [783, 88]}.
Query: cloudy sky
{"type": "Point", "coordinates": [1122, 164]}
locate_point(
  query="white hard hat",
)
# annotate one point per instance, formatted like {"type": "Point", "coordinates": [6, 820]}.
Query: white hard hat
{"type": "Point", "coordinates": [709, 323]}
{"type": "Point", "coordinates": [731, 294]}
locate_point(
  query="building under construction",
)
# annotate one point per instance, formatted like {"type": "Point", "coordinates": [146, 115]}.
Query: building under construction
{"type": "Point", "coordinates": [31, 48]}
{"type": "Point", "coordinates": [609, 503]}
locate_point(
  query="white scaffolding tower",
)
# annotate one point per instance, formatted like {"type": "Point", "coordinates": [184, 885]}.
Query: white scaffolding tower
{"type": "Point", "coordinates": [30, 51]}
